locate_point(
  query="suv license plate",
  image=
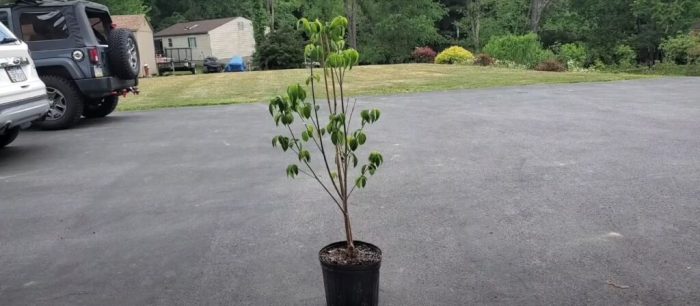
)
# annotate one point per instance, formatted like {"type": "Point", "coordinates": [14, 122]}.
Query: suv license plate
{"type": "Point", "coordinates": [16, 74]}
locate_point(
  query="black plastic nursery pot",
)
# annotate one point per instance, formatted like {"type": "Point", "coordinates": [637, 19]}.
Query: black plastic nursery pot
{"type": "Point", "coordinates": [351, 285]}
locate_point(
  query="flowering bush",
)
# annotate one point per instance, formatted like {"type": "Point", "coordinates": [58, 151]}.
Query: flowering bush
{"type": "Point", "coordinates": [424, 55]}
{"type": "Point", "coordinates": [455, 55]}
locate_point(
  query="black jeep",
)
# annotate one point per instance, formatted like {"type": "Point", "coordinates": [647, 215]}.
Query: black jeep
{"type": "Point", "coordinates": [84, 62]}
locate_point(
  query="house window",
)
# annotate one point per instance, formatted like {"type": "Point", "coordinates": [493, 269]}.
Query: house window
{"type": "Point", "coordinates": [241, 26]}
{"type": "Point", "coordinates": [192, 42]}
{"type": "Point", "coordinates": [43, 26]}
{"type": "Point", "coordinates": [170, 42]}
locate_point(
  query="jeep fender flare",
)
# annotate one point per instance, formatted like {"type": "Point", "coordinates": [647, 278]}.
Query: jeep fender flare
{"type": "Point", "coordinates": [61, 66]}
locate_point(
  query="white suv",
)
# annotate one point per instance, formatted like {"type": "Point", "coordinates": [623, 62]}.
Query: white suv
{"type": "Point", "coordinates": [23, 96]}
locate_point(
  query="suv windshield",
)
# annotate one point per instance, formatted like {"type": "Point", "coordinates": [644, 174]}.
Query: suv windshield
{"type": "Point", "coordinates": [6, 35]}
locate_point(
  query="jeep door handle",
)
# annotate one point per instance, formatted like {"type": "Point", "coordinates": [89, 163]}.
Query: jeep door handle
{"type": "Point", "coordinates": [25, 86]}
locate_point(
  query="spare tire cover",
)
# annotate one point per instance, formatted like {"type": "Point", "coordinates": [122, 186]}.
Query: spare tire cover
{"type": "Point", "coordinates": [123, 54]}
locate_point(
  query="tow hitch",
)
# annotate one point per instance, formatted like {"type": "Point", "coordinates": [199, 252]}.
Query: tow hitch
{"type": "Point", "coordinates": [126, 91]}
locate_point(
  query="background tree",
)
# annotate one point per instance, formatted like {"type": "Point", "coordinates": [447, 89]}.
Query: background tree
{"type": "Point", "coordinates": [126, 7]}
{"type": "Point", "coordinates": [388, 31]}
{"type": "Point", "coordinates": [393, 28]}
{"type": "Point", "coordinates": [537, 8]}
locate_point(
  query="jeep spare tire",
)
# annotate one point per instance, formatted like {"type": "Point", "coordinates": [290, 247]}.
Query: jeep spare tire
{"type": "Point", "coordinates": [123, 54]}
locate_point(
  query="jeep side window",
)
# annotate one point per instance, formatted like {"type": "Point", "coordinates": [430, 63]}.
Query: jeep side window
{"type": "Point", "coordinates": [101, 25]}
{"type": "Point", "coordinates": [43, 26]}
{"type": "Point", "coordinates": [4, 19]}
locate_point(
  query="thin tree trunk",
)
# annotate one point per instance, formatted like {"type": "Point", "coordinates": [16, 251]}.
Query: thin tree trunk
{"type": "Point", "coordinates": [271, 13]}
{"type": "Point", "coordinates": [537, 8]}
{"type": "Point", "coordinates": [351, 12]}
{"type": "Point", "coordinates": [348, 233]}
{"type": "Point", "coordinates": [475, 12]}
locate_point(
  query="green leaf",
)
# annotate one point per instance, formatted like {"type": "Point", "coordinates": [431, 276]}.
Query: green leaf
{"type": "Point", "coordinates": [376, 158]}
{"type": "Point", "coordinates": [274, 141]}
{"type": "Point", "coordinates": [292, 171]}
{"type": "Point", "coordinates": [352, 142]}
{"type": "Point", "coordinates": [310, 130]}
{"type": "Point", "coordinates": [365, 116]}
{"type": "Point", "coordinates": [361, 138]}
{"type": "Point", "coordinates": [372, 169]}
{"type": "Point", "coordinates": [287, 119]}
{"type": "Point", "coordinates": [277, 119]}
{"type": "Point", "coordinates": [335, 138]}
{"type": "Point", "coordinates": [302, 93]}
{"type": "Point", "coordinates": [354, 160]}
{"type": "Point", "coordinates": [376, 114]}
{"type": "Point", "coordinates": [293, 92]}
{"type": "Point", "coordinates": [303, 22]}
{"type": "Point", "coordinates": [323, 132]}
{"type": "Point", "coordinates": [352, 57]}
{"type": "Point", "coordinates": [364, 169]}
{"type": "Point", "coordinates": [306, 111]}
{"type": "Point", "coordinates": [305, 136]}
{"type": "Point", "coordinates": [336, 60]}
{"type": "Point", "coordinates": [361, 182]}
{"type": "Point", "coordinates": [305, 155]}
{"type": "Point", "coordinates": [284, 143]}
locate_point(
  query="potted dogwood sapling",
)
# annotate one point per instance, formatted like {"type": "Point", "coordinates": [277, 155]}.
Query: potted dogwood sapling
{"type": "Point", "coordinates": [324, 132]}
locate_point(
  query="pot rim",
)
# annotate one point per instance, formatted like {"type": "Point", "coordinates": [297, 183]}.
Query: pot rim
{"type": "Point", "coordinates": [350, 267]}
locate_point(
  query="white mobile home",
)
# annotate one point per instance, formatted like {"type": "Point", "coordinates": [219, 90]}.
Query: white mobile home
{"type": "Point", "coordinates": [222, 38]}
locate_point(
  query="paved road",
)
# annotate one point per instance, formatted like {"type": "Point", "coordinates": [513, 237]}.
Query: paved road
{"type": "Point", "coordinates": [541, 195]}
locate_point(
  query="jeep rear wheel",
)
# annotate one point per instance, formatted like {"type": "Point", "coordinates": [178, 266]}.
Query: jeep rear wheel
{"type": "Point", "coordinates": [101, 107]}
{"type": "Point", "coordinates": [66, 104]}
{"type": "Point", "coordinates": [123, 54]}
{"type": "Point", "coordinates": [9, 136]}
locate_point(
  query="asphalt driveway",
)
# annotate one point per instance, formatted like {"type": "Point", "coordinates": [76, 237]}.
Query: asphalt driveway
{"type": "Point", "coordinates": [540, 195]}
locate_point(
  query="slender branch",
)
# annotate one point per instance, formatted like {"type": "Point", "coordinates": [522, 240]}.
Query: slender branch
{"type": "Point", "coordinates": [312, 169]}
{"type": "Point", "coordinates": [352, 112]}
{"type": "Point", "coordinates": [325, 72]}
{"type": "Point", "coordinates": [346, 146]}
{"type": "Point", "coordinates": [320, 137]}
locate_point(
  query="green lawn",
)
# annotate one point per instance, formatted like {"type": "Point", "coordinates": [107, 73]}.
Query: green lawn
{"type": "Point", "coordinates": [259, 86]}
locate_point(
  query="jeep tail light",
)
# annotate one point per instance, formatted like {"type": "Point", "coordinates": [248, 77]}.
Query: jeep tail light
{"type": "Point", "coordinates": [94, 55]}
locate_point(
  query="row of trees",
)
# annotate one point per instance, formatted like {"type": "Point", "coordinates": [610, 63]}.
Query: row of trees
{"type": "Point", "coordinates": [388, 30]}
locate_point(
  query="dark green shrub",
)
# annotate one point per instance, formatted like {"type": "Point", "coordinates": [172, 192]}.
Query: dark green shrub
{"type": "Point", "coordinates": [551, 65]}
{"type": "Point", "coordinates": [625, 56]}
{"type": "Point", "coordinates": [524, 49]}
{"type": "Point", "coordinates": [281, 49]}
{"type": "Point", "coordinates": [681, 49]}
{"type": "Point", "coordinates": [573, 54]}
{"type": "Point", "coordinates": [483, 60]}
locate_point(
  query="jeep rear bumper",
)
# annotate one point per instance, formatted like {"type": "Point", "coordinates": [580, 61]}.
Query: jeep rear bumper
{"type": "Point", "coordinates": [102, 87]}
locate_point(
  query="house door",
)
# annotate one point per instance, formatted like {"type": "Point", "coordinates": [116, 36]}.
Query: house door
{"type": "Point", "coordinates": [159, 46]}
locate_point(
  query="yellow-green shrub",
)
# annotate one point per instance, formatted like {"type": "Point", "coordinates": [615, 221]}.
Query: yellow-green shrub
{"type": "Point", "coordinates": [454, 55]}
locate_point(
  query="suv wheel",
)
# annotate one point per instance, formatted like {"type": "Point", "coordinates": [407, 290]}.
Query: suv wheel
{"type": "Point", "coordinates": [9, 136]}
{"type": "Point", "coordinates": [101, 107]}
{"type": "Point", "coordinates": [123, 54]}
{"type": "Point", "coordinates": [66, 104]}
